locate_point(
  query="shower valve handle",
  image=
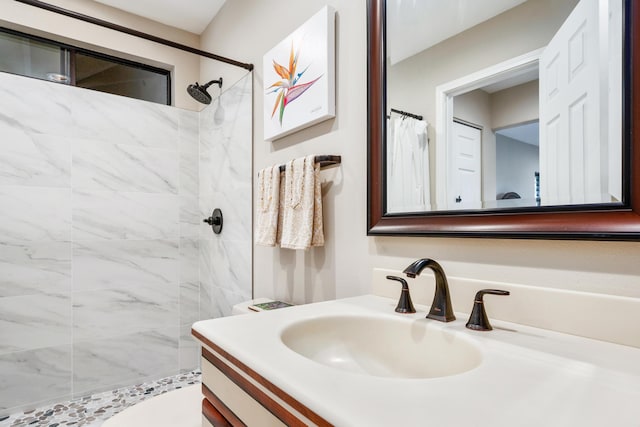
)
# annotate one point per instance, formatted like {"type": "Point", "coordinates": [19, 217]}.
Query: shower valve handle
{"type": "Point", "coordinates": [212, 221]}
{"type": "Point", "coordinates": [215, 221]}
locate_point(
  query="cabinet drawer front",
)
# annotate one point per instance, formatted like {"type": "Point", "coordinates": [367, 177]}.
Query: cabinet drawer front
{"type": "Point", "coordinates": [279, 403]}
{"type": "Point", "coordinates": [236, 399]}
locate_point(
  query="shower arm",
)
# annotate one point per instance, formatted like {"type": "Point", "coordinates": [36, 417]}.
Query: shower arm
{"type": "Point", "coordinates": [217, 81]}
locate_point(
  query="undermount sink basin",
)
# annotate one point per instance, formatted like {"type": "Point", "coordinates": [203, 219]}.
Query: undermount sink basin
{"type": "Point", "coordinates": [383, 347]}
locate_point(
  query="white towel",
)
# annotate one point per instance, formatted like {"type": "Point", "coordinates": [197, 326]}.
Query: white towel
{"type": "Point", "coordinates": [268, 206]}
{"type": "Point", "coordinates": [301, 205]}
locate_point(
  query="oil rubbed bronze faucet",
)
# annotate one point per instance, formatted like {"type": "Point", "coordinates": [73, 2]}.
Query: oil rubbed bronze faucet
{"type": "Point", "coordinates": [441, 308]}
{"type": "Point", "coordinates": [478, 321]}
{"type": "Point", "coordinates": [405, 305]}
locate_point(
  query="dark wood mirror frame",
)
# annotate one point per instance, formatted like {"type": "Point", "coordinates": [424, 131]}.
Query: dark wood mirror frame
{"type": "Point", "coordinates": [585, 223]}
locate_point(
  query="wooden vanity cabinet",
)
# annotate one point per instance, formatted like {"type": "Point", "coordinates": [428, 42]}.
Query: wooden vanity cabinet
{"type": "Point", "coordinates": [236, 395]}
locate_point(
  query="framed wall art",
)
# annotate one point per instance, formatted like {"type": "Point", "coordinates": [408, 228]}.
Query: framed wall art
{"type": "Point", "coordinates": [299, 77]}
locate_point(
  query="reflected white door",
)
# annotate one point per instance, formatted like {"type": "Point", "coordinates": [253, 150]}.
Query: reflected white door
{"type": "Point", "coordinates": [466, 190]}
{"type": "Point", "coordinates": [571, 156]}
{"type": "Point", "coordinates": [615, 98]}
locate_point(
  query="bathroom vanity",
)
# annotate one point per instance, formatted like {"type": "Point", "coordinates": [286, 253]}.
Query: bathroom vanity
{"type": "Point", "coordinates": [236, 395]}
{"type": "Point", "coordinates": [355, 362]}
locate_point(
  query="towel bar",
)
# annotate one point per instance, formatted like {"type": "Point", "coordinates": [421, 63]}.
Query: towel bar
{"type": "Point", "coordinates": [325, 160]}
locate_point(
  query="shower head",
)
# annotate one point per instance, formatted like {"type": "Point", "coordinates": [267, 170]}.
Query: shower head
{"type": "Point", "coordinates": [200, 94]}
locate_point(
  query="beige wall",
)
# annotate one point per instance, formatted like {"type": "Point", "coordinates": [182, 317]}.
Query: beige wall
{"type": "Point", "coordinates": [184, 66]}
{"type": "Point", "coordinates": [516, 105]}
{"type": "Point", "coordinates": [412, 83]}
{"type": "Point", "coordinates": [245, 30]}
{"type": "Point", "coordinates": [525, 28]}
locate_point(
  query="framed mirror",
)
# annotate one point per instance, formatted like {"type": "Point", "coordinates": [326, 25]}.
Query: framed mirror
{"type": "Point", "coordinates": [578, 177]}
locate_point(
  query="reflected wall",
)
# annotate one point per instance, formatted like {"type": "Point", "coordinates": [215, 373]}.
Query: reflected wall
{"type": "Point", "coordinates": [412, 83]}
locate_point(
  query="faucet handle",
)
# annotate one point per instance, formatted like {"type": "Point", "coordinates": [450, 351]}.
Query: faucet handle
{"type": "Point", "coordinates": [478, 321]}
{"type": "Point", "coordinates": [404, 303]}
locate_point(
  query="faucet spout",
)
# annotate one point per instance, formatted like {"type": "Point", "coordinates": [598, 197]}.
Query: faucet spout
{"type": "Point", "coordinates": [416, 267]}
{"type": "Point", "coordinates": [441, 308]}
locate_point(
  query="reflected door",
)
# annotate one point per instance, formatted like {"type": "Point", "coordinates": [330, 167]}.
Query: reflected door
{"type": "Point", "coordinates": [572, 157]}
{"type": "Point", "coordinates": [467, 177]}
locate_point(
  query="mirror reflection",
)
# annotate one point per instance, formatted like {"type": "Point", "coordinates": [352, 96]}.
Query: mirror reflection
{"type": "Point", "coordinates": [503, 104]}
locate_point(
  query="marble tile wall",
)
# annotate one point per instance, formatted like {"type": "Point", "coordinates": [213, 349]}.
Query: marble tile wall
{"type": "Point", "coordinates": [226, 183]}
{"type": "Point", "coordinates": [101, 241]}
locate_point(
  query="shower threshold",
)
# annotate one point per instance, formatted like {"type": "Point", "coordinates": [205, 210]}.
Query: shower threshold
{"type": "Point", "coordinates": [93, 410]}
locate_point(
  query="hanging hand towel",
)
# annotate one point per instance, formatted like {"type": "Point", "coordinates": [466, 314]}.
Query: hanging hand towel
{"type": "Point", "coordinates": [302, 216]}
{"type": "Point", "coordinates": [268, 206]}
{"type": "Point", "coordinates": [317, 237]}
{"type": "Point", "coordinates": [280, 210]}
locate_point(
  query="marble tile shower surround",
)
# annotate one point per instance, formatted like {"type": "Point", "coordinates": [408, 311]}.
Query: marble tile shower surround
{"type": "Point", "coordinates": [104, 261]}
{"type": "Point", "coordinates": [225, 157]}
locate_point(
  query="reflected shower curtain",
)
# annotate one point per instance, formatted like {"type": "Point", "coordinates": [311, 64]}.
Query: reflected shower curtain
{"type": "Point", "coordinates": [407, 165]}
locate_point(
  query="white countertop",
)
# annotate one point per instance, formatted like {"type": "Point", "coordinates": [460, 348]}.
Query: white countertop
{"type": "Point", "coordinates": [528, 376]}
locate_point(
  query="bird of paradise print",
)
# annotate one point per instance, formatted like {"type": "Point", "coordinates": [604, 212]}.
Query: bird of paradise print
{"type": "Point", "coordinates": [287, 87]}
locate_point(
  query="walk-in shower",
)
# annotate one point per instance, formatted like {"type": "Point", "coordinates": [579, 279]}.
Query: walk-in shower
{"type": "Point", "coordinates": [100, 294]}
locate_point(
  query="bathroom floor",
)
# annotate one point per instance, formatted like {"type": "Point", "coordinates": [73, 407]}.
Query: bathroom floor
{"type": "Point", "coordinates": [92, 411]}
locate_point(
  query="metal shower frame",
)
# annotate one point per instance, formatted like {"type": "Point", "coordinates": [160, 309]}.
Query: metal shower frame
{"type": "Point", "coordinates": [132, 32]}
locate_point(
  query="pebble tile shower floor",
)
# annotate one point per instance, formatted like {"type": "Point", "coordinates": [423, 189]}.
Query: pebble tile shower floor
{"type": "Point", "coordinates": [92, 411]}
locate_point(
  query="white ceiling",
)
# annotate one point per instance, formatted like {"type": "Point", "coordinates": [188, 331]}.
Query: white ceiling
{"type": "Point", "coordinates": [425, 23]}
{"type": "Point", "coordinates": [527, 133]}
{"type": "Point", "coordinates": [188, 15]}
